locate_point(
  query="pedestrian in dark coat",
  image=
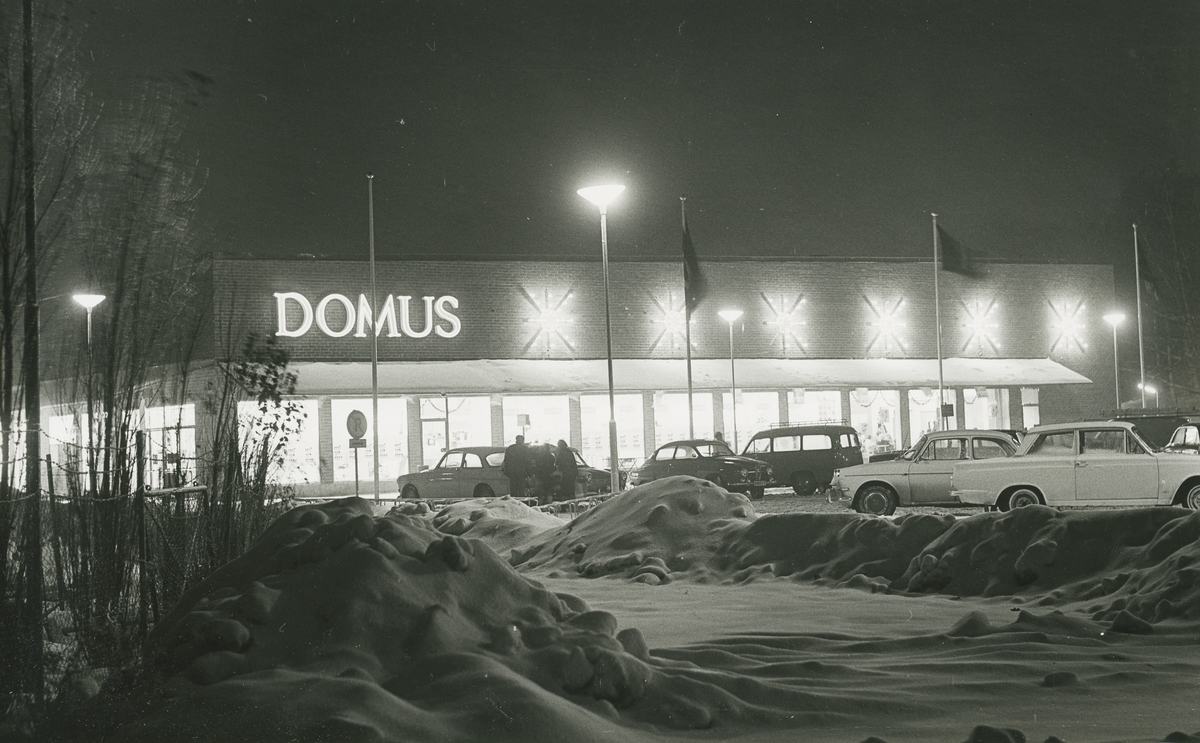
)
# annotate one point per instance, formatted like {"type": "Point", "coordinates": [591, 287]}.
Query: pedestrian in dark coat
{"type": "Point", "coordinates": [518, 461]}
{"type": "Point", "coordinates": [544, 476]}
{"type": "Point", "coordinates": [568, 471]}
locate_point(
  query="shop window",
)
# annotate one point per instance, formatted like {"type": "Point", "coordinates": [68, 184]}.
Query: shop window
{"type": "Point", "coordinates": [393, 440]}
{"type": "Point", "coordinates": [1031, 413]}
{"type": "Point", "coordinates": [986, 408]}
{"type": "Point", "coordinates": [468, 419]}
{"type": "Point", "coordinates": [299, 447]}
{"type": "Point", "coordinates": [814, 406]}
{"type": "Point", "coordinates": [671, 416]}
{"type": "Point", "coordinates": [170, 445]}
{"type": "Point", "coordinates": [756, 411]}
{"type": "Point", "coordinates": [875, 414]}
{"type": "Point", "coordinates": [540, 418]}
{"type": "Point", "coordinates": [923, 412]}
{"type": "Point", "coordinates": [593, 414]}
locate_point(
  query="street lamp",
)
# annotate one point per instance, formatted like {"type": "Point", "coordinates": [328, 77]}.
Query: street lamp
{"type": "Point", "coordinates": [1149, 389]}
{"type": "Point", "coordinates": [88, 302]}
{"type": "Point", "coordinates": [731, 316]}
{"type": "Point", "coordinates": [601, 196]}
{"type": "Point", "coordinates": [1114, 319]}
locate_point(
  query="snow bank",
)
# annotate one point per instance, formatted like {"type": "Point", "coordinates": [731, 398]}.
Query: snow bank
{"type": "Point", "coordinates": [1144, 563]}
{"type": "Point", "coordinates": [646, 533]}
{"type": "Point", "coordinates": [338, 625]}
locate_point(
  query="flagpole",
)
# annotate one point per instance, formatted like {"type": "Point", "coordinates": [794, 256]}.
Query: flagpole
{"type": "Point", "coordinates": [687, 333]}
{"type": "Point", "coordinates": [374, 333]}
{"type": "Point", "coordinates": [1137, 280]}
{"type": "Point", "coordinates": [937, 322]}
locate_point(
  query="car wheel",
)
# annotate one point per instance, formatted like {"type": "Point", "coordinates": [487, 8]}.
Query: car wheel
{"type": "Point", "coordinates": [410, 491]}
{"type": "Point", "coordinates": [1192, 499]}
{"type": "Point", "coordinates": [1021, 498]}
{"type": "Point", "coordinates": [757, 493]}
{"type": "Point", "coordinates": [483, 491]}
{"type": "Point", "coordinates": [803, 483]}
{"type": "Point", "coordinates": [877, 501]}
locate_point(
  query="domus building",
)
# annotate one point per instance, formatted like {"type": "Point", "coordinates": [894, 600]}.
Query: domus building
{"type": "Point", "coordinates": [476, 352]}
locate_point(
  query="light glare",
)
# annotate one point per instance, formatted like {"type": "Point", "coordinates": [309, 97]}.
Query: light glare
{"type": "Point", "coordinates": [88, 301]}
{"type": "Point", "coordinates": [601, 196]}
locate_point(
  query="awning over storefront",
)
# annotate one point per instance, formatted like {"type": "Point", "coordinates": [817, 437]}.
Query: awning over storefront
{"type": "Point", "coordinates": [513, 376]}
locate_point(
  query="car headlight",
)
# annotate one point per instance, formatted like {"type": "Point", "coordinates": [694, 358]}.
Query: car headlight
{"type": "Point", "coordinates": [745, 474]}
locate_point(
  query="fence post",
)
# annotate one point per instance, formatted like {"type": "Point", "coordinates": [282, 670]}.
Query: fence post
{"type": "Point", "coordinates": [140, 503]}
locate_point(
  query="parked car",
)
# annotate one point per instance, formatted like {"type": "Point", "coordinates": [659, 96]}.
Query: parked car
{"type": "Point", "coordinates": [1186, 439]}
{"type": "Point", "coordinates": [475, 472]}
{"type": "Point", "coordinates": [708, 460]}
{"type": "Point", "coordinates": [920, 476]}
{"type": "Point", "coordinates": [1093, 463]}
{"type": "Point", "coordinates": [805, 457]}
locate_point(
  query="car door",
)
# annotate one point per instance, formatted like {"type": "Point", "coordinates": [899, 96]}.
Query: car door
{"type": "Point", "coordinates": [764, 449]}
{"type": "Point", "coordinates": [818, 456]}
{"type": "Point", "coordinates": [1048, 465]}
{"type": "Point", "coordinates": [929, 474]}
{"type": "Point", "coordinates": [687, 461]}
{"type": "Point", "coordinates": [441, 477]}
{"type": "Point", "coordinates": [1112, 466]}
{"type": "Point", "coordinates": [659, 465]}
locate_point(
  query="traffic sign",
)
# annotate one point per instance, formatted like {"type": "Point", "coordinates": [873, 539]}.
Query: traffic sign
{"type": "Point", "coordinates": [356, 424]}
{"type": "Point", "coordinates": [358, 443]}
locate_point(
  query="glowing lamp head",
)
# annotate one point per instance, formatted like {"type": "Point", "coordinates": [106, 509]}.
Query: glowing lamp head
{"type": "Point", "coordinates": [1114, 318]}
{"type": "Point", "coordinates": [730, 316]}
{"type": "Point", "coordinates": [88, 301]}
{"type": "Point", "coordinates": [1148, 388]}
{"type": "Point", "coordinates": [601, 196]}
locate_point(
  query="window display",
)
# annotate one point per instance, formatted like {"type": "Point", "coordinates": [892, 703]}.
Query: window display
{"type": "Point", "coordinates": [875, 414]}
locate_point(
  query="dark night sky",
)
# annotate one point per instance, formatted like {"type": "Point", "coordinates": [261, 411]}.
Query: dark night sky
{"type": "Point", "coordinates": [794, 128]}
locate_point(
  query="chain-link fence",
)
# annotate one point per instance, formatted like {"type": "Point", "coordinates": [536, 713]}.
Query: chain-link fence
{"type": "Point", "coordinates": [84, 578]}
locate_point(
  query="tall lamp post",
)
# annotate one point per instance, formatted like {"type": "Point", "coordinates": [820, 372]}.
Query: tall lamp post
{"type": "Point", "coordinates": [731, 316]}
{"type": "Point", "coordinates": [1148, 389]}
{"type": "Point", "coordinates": [601, 196]}
{"type": "Point", "coordinates": [89, 302]}
{"type": "Point", "coordinates": [1114, 319]}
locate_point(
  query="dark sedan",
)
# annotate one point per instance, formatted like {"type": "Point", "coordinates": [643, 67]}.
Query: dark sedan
{"type": "Point", "coordinates": [475, 472]}
{"type": "Point", "coordinates": [709, 460]}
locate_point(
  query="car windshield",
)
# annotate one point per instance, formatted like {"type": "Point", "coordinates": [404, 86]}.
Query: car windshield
{"type": "Point", "coordinates": [713, 449]}
{"type": "Point", "coordinates": [911, 452]}
{"type": "Point", "coordinates": [1145, 441]}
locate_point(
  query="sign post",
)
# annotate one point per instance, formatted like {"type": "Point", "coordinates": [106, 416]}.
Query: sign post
{"type": "Point", "coordinates": [356, 426]}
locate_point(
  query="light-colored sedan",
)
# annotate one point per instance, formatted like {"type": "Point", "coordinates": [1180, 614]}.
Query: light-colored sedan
{"type": "Point", "coordinates": [918, 477]}
{"type": "Point", "coordinates": [1094, 463]}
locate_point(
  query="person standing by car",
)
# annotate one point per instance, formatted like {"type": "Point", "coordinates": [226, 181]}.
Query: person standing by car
{"type": "Point", "coordinates": [518, 462]}
{"type": "Point", "coordinates": [568, 471]}
{"type": "Point", "coordinates": [542, 473]}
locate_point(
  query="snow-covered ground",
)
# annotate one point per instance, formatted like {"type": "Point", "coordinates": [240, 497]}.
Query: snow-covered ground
{"type": "Point", "coordinates": [674, 612]}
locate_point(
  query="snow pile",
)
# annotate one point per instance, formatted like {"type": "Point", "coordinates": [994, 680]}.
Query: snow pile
{"type": "Point", "coordinates": [501, 523]}
{"type": "Point", "coordinates": [647, 533]}
{"type": "Point", "coordinates": [341, 626]}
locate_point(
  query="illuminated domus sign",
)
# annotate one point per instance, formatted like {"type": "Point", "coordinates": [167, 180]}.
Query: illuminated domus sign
{"type": "Point", "coordinates": [336, 316]}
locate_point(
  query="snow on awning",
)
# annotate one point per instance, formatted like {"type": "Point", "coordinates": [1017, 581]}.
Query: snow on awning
{"type": "Point", "coordinates": [484, 376]}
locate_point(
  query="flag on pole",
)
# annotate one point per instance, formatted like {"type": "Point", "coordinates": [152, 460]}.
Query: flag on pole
{"type": "Point", "coordinates": [955, 258]}
{"type": "Point", "coordinates": [695, 287]}
{"type": "Point", "coordinates": [1146, 272]}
